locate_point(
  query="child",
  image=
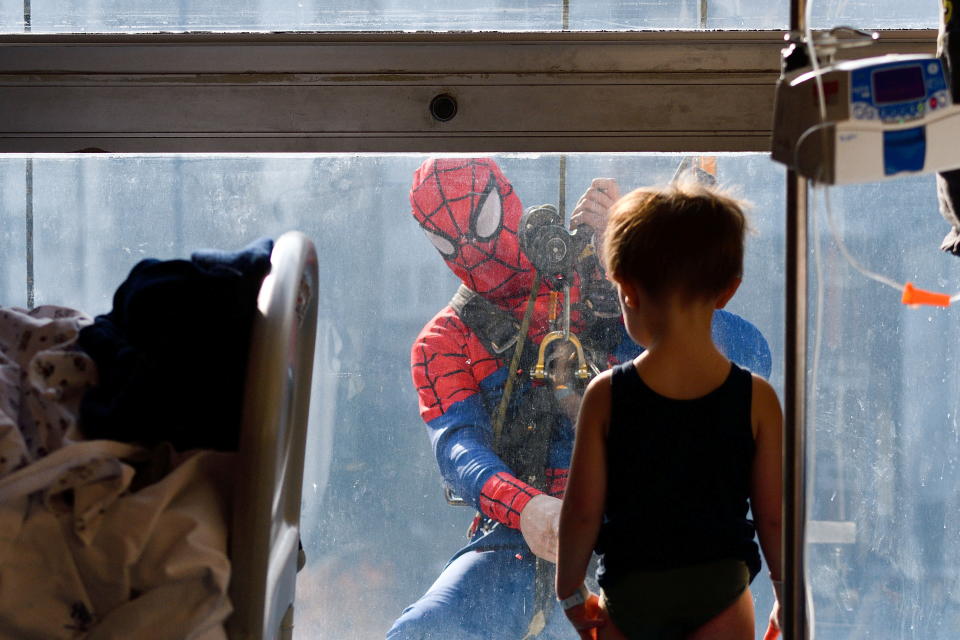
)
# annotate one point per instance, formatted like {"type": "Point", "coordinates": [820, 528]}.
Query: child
{"type": "Point", "coordinates": [671, 446]}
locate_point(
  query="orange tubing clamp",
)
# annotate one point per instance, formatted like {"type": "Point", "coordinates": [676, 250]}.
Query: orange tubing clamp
{"type": "Point", "coordinates": [916, 297]}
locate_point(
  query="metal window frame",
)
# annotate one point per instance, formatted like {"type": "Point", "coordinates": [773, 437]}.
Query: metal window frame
{"type": "Point", "coordinates": [276, 93]}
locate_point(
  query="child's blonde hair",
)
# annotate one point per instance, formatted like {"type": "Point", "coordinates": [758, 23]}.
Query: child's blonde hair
{"type": "Point", "coordinates": [684, 238]}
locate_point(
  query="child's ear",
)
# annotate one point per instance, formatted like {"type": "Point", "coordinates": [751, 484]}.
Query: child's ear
{"type": "Point", "coordinates": [727, 293]}
{"type": "Point", "coordinates": [628, 293]}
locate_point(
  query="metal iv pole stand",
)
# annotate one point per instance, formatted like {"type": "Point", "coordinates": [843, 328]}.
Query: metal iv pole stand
{"type": "Point", "coordinates": [795, 625]}
{"type": "Point", "coordinates": [28, 188]}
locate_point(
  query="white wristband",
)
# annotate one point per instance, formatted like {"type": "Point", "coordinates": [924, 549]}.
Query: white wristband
{"type": "Point", "coordinates": [579, 597]}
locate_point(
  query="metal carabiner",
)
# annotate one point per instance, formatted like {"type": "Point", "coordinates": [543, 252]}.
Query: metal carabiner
{"type": "Point", "coordinates": [540, 370]}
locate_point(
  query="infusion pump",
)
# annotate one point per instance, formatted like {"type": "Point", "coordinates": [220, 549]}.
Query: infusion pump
{"type": "Point", "coordinates": [885, 116]}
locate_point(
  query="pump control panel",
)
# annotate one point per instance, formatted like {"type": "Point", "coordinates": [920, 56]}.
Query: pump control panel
{"type": "Point", "coordinates": [885, 116]}
{"type": "Point", "coordinates": [896, 92]}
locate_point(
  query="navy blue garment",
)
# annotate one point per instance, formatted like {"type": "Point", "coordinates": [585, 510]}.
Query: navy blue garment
{"type": "Point", "coordinates": [172, 354]}
{"type": "Point", "coordinates": [678, 477]}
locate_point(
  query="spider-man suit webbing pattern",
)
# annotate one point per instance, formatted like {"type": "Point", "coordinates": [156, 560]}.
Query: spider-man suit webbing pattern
{"type": "Point", "coordinates": [471, 213]}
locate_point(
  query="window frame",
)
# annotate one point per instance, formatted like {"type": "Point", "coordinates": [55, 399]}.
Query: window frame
{"type": "Point", "coordinates": [674, 91]}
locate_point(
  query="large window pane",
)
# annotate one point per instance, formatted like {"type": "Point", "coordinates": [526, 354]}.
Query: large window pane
{"type": "Point", "coordinates": [382, 532]}
{"type": "Point", "coordinates": [884, 443]}
{"type": "Point", "coordinates": [131, 16]}
{"type": "Point", "coordinates": [623, 15]}
{"type": "Point", "coordinates": [876, 14]}
{"type": "Point", "coordinates": [884, 531]}
{"type": "Point", "coordinates": [392, 15]}
{"type": "Point", "coordinates": [13, 232]}
{"type": "Point", "coordinates": [11, 16]}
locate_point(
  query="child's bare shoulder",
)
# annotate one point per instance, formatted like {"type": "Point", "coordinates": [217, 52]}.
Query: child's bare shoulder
{"type": "Point", "coordinates": [765, 410]}
{"type": "Point", "coordinates": [602, 380]}
{"type": "Point", "coordinates": [763, 391]}
{"type": "Point", "coordinates": [597, 395]}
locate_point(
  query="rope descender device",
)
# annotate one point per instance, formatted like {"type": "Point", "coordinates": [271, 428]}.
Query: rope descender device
{"type": "Point", "coordinates": [553, 250]}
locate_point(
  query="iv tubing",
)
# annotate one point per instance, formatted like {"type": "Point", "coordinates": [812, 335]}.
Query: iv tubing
{"type": "Point", "coordinates": [811, 434]}
{"type": "Point", "coordinates": [906, 288]}
{"type": "Point", "coordinates": [911, 295]}
{"type": "Point", "coordinates": [846, 253]}
{"type": "Point", "coordinates": [810, 614]}
{"type": "Point", "coordinates": [925, 297]}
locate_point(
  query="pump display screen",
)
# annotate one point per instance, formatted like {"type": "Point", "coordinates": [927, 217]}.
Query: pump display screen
{"type": "Point", "coordinates": [898, 85]}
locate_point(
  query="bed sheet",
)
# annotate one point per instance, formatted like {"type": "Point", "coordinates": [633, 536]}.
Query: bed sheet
{"type": "Point", "coordinates": [99, 539]}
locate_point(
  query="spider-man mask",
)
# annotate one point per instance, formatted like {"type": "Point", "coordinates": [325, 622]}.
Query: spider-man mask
{"type": "Point", "coordinates": [471, 214]}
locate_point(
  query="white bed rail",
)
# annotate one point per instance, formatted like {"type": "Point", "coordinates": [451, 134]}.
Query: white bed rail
{"type": "Point", "coordinates": [265, 533]}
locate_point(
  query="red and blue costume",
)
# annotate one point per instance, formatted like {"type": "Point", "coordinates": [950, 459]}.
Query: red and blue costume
{"type": "Point", "coordinates": [471, 213]}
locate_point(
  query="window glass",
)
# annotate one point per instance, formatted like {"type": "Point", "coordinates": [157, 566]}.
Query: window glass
{"type": "Point", "coordinates": [878, 14]}
{"type": "Point", "coordinates": [13, 232]}
{"type": "Point", "coordinates": [381, 532]}
{"type": "Point", "coordinates": [450, 15]}
{"type": "Point", "coordinates": [884, 441]}
{"type": "Point", "coordinates": [392, 15]}
{"type": "Point", "coordinates": [11, 16]}
{"type": "Point", "coordinates": [686, 14]}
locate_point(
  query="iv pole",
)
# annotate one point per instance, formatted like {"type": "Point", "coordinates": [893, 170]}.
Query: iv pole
{"type": "Point", "coordinates": [795, 625]}
{"type": "Point", "coordinates": [28, 189]}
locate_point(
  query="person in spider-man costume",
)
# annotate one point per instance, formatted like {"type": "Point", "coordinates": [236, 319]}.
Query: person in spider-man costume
{"type": "Point", "coordinates": [471, 214]}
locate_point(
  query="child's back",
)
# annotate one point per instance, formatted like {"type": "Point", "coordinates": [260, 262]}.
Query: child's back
{"type": "Point", "coordinates": [688, 461]}
{"type": "Point", "coordinates": [678, 479]}
{"type": "Point", "coordinates": [673, 448]}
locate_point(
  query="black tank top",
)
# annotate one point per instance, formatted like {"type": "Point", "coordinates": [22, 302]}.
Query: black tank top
{"type": "Point", "coordinates": [678, 477]}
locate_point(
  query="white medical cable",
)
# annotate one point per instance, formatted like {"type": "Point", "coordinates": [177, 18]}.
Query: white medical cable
{"type": "Point", "coordinates": [838, 238]}
{"type": "Point", "coordinates": [810, 613]}
{"type": "Point", "coordinates": [823, 125]}
{"type": "Point", "coordinates": [802, 138]}
{"type": "Point", "coordinates": [845, 252]}
{"type": "Point", "coordinates": [814, 62]}
{"type": "Point", "coordinates": [811, 435]}
{"type": "Point", "coordinates": [831, 224]}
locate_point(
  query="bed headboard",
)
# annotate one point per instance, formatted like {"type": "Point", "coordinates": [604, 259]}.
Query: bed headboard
{"type": "Point", "coordinates": [266, 521]}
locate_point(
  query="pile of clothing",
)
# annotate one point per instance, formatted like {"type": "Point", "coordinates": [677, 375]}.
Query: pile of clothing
{"type": "Point", "coordinates": [116, 453]}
